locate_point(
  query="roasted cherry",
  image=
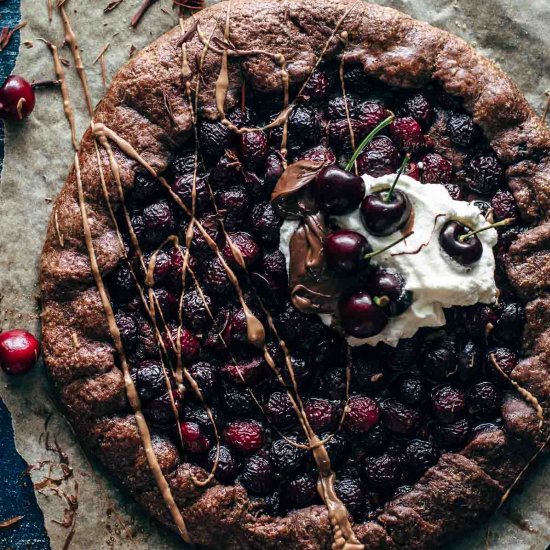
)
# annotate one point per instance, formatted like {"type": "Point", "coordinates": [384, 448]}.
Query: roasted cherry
{"type": "Point", "coordinates": [340, 192]}
{"type": "Point", "coordinates": [463, 251]}
{"type": "Point", "coordinates": [345, 251]}
{"type": "Point", "coordinates": [360, 316]}
{"type": "Point", "coordinates": [16, 98]}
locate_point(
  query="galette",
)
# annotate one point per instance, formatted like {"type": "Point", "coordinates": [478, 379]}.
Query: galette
{"type": "Point", "coordinates": [295, 287]}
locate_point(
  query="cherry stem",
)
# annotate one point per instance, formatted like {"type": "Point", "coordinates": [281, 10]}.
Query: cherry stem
{"type": "Point", "coordinates": [381, 301]}
{"type": "Point", "coordinates": [501, 223]}
{"type": "Point", "coordinates": [386, 122]}
{"type": "Point", "coordinates": [399, 173]}
{"type": "Point", "coordinates": [376, 252]}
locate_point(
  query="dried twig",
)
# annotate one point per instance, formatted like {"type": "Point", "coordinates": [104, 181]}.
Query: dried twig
{"type": "Point", "coordinates": [11, 521]}
{"type": "Point", "coordinates": [6, 33]}
{"type": "Point", "coordinates": [141, 12]}
{"type": "Point", "coordinates": [101, 53]}
{"type": "Point", "coordinates": [112, 5]}
{"type": "Point", "coordinates": [44, 83]}
{"type": "Point", "coordinates": [547, 108]}
{"type": "Point", "coordinates": [101, 58]}
{"type": "Point", "coordinates": [190, 4]}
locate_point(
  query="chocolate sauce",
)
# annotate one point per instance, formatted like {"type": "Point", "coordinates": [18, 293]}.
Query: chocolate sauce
{"type": "Point", "coordinates": [131, 391]}
{"type": "Point", "coordinates": [70, 39]}
{"type": "Point", "coordinates": [67, 107]}
{"type": "Point", "coordinates": [311, 241]}
{"type": "Point", "coordinates": [313, 288]}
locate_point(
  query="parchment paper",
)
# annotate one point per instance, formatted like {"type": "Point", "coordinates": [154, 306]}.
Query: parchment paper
{"type": "Point", "coordinates": [38, 155]}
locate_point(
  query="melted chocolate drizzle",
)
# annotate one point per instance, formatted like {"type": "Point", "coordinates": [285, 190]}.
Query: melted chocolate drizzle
{"type": "Point", "coordinates": [294, 198]}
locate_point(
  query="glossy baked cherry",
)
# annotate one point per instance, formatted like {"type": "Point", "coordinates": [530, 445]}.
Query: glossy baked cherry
{"type": "Point", "coordinates": [360, 316]}
{"type": "Point", "coordinates": [363, 414]}
{"type": "Point", "coordinates": [466, 251]}
{"type": "Point", "coordinates": [345, 251]}
{"type": "Point", "coordinates": [338, 191]}
{"type": "Point", "coordinates": [193, 439]}
{"type": "Point", "coordinates": [383, 217]}
{"type": "Point", "coordinates": [17, 98]}
{"type": "Point", "coordinates": [19, 351]}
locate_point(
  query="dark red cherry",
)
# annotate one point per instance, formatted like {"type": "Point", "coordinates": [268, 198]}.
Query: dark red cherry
{"type": "Point", "coordinates": [465, 252]}
{"type": "Point", "coordinates": [17, 98]}
{"type": "Point", "coordinates": [19, 351]}
{"type": "Point", "coordinates": [388, 291]}
{"type": "Point", "coordinates": [383, 217]}
{"type": "Point", "coordinates": [345, 251]}
{"type": "Point", "coordinates": [339, 191]}
{"type": "Point", "coordinates": [360, 316]}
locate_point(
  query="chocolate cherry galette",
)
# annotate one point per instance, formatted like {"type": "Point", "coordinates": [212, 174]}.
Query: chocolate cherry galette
{"type": "Point", "coordinates": [301, 295]}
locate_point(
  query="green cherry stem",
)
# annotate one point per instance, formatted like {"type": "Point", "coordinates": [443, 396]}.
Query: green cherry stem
{"type": "Point", "coordinates": [501, 223]}
{"type": "Point", "coordinates": [386, 122]}
{"type": "Point", "coordinates": [404, 164]}
{"type": "Point", "coordinates": [379, 251]}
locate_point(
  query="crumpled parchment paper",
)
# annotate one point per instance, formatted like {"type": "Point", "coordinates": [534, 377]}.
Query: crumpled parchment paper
{"type": "Point", "coordinates": [38, 156]}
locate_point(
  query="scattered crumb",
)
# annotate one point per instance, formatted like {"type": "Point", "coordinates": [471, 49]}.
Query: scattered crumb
{"type": "Point", "coordinates": [112, 5]}
{"type": "Point", "coordinates": [102, 52]}
{"type": "Point", "coordinates": [28, 44]}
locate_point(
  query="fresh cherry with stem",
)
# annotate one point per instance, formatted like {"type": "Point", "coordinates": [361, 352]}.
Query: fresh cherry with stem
{"type": "Point", "coordinates": [387, 288]}
{"type": "Point", "coordinates": [348, 252]}
{"type": "Point", "coordinates": [339, 191]}
{"type": "Point", "coordinates": [360, 316]}
{"type": "Point", "coordinates": [461, 242]}
{"type": "Point", "coordinates": [385, 212]}
{"type": "Point", "coordinates": [19, 351]}
{"type": "Point", "coordinates": [345, 251]}
{"type": "Point", "coordinates": [17, 98]}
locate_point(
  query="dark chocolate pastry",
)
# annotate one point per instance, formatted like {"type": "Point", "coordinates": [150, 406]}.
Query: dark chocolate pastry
{"type": "Point", "coordinates": [170, 330]}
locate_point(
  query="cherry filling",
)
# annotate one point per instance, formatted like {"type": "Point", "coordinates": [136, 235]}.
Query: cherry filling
{"type": "Point", "coordinates": [407, 405]}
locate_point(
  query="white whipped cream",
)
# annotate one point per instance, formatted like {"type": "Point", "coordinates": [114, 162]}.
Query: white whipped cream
{"type": "Point", "coordinates": [435, 280]}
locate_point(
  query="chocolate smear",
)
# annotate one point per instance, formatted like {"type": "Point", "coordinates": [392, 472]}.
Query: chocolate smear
{"type": "Point", "coordinates": [313, 289]}
{"type": "Point", "coordinates": [292, 196]}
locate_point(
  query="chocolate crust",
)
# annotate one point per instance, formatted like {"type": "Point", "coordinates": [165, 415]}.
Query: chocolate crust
{"type": "Point", "coordinates": [78, 351]}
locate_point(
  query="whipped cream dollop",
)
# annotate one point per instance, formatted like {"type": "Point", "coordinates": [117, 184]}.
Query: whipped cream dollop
{"type": "Point", "coordinates": [435, 280]}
